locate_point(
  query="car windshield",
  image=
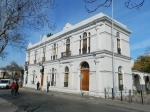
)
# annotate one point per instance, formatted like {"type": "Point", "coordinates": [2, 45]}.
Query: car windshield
{"type": "Point", "coordinates": [4, 81]}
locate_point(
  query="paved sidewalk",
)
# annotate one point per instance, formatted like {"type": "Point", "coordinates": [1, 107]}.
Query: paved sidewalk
{"type": "Point", "coordinates": [94, 100]}
{"type": "Point", "coordinates": [6, 106]}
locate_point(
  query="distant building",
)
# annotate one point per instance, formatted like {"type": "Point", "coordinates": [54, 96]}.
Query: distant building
{"type": "Point", "coordinates": [81, 51]}
{"type": "Point", "coordinates": [2, 74]}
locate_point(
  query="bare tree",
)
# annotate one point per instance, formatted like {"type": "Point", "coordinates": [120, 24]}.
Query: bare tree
{"type": "Point", "coordinates": [131, 4]}
{"type": "Point", "coordinates": [18, 15]}
{"type": "Point", "coordinates": [13, 67]}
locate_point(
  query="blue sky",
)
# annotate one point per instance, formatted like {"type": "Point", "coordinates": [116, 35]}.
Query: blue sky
{"type": "Point", "coordinates": [73, 11]}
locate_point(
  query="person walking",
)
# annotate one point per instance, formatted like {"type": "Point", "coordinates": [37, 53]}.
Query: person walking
{"type": "Point", "coordinates": [38, 84]}
{"type": "Point", "coordinates": [48, 84]}
{"type": "Point", "coordinates": [16, 88]}
{"type": "Point", "coordinates": [12, 87]}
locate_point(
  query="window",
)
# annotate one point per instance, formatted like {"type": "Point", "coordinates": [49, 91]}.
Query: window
{"type": "Point", "coordinates": [35, 56]}
{"type": "Point", "coordinates": [66, 77]}
{"type": "Point", "coordinates": [84, 49]}
{"type": "Point", "coordinates": [80, 46]}
{"type": "Point", "coordinates": [68, 47]}
{"type": "Point", "coordinates": [118, 46]}
{"type": "Point", "coordinates": [117, 34]}
{"type": "Point", "coordinates": [57, 51]}
{"type": "Point", "coordinates": [54, 52]}
{"type": "Point", "coordinates": [89, 43]}
{"type": "Point", "coordinates": [28, 57]}
{"type": "Point", "coordinates": [120, 78]}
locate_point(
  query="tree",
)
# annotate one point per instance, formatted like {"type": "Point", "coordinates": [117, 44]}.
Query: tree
{"type": "Point", "coordinates": [142, 64]}
{"type": "Point", "coordinates": [49, 34]}
{"type": "Point", "coordinates": [13, 67]}
{"type": "Point", "coordinates": [16, 16]}
{"type": "Point", "coordinates": [106, 3]}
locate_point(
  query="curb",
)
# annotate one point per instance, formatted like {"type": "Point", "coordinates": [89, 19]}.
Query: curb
{"type": "Point", "coordinates": [139, 110]}
{"type": "Point", "coordinates": [88, 99]}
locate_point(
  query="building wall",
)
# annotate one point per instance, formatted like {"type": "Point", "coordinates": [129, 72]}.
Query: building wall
{"type": "Point", "coordinates": [99, 58]}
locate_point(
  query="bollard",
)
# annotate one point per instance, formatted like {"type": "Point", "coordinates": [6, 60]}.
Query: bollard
{"type": "Point", "coordinates": [121, 95]}
{"type": "Point", "coordinates": [105, 92]}
{"type": "Point", "coordinates": [130, 98]}
{"type": "Point", "coordinates": [141, 97]}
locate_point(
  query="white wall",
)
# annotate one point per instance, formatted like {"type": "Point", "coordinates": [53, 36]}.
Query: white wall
{"type": "Point", "coordinates": [100, 68]}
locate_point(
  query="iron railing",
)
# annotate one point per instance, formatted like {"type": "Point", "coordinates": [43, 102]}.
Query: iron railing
{"type": "Point", "coordinates": [127, 95]}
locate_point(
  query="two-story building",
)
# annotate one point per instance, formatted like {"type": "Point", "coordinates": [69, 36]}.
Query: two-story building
{"type": "Point", "coordinates": [81, 57]}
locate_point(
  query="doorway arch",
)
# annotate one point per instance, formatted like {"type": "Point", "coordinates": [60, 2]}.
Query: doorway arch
{"type": "Point", "coordinates": [66, 77]}
{"type": "Point", "coordinates": [136, 82]}
{"type": "Point", "coordinates": [84, 71]}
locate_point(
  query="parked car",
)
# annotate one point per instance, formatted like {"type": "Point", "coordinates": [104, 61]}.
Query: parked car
{"type": "Point", "coordinates": [5, 83]}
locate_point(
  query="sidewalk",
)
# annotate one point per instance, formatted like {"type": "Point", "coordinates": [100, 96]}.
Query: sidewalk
{"type": "Point", "coordinates": [94, 100]}
{"type": "Point", "coordinates": [6, 106]}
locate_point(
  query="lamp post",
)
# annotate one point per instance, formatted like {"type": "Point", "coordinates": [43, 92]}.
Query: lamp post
{"type": "Point", "coordinates": [112, 46]}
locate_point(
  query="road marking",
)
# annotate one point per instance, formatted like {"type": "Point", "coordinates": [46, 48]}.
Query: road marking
{"type": "Point", "coordinates": [21, 88]}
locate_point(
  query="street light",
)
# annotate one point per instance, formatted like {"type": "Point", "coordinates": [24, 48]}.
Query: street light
{"type": "Point", "coordinates": [112, 46]}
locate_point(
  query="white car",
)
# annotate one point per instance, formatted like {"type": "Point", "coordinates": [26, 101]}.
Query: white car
{"type": "Point", "coordinates": [5, 83]}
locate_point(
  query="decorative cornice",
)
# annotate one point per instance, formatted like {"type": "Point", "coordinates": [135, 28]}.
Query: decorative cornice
{"type": "Point", "coordinates": [79, 26]}
{"type": "Point", "coordinates": [67, 59]}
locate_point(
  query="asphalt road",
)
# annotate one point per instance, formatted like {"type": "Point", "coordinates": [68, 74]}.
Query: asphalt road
{"type": "Point", "coordinates": [39, 102]}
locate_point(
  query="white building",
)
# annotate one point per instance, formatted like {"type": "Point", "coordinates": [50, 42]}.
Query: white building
{"type": "Point", "coordinates": [84, 48]}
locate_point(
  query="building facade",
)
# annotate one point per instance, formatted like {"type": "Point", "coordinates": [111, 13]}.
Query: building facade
{"type": "Point", "coordinates": [80, 58]}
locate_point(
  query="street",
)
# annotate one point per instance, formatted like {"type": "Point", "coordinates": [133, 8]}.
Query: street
{"type": "Point", "coordinates": [46, 102]}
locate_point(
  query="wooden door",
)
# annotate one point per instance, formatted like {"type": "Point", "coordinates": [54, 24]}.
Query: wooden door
{"type": "Point", "coordinates": [42, 77]}
{"type": "Point", "coordinates": [85, 80]}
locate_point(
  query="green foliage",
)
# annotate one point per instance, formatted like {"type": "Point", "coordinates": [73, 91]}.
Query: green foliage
{"type": "Point", "coordinates": [49, 34]}
{"type": "Point", "coordinates": [142, 64]}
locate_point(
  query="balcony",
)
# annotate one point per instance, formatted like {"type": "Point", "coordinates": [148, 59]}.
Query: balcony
{"type": "Point", "coordinates": [84, 50]}
{"type": "Point", "coordinates": [119, 50]}
{"type": "Point", "coordinates": [66, 54]}
{"type": "Point", "coordinates": [43, 59]}
{"type": "Point", "coordinates": [27, 63]}
{"type": "Point", "coordinates": [26, 68]}
{"type": "Point", "coordinates": [32, 82]}
{"type": "Point", "coordinates": [79, 51]}
{"type": "Point", "coordinates": [34, 61]}
{"type": "Point", "coordinates": [120, 87]}
{"type": "Point", "coordinates": [88, 49]}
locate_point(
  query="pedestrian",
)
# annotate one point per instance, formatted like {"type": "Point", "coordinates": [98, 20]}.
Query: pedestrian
{"type": "Point", "coordinates": [38, 84]}
{"type": "Point", "coordinates": [16, 88]}
{"type": "Point", "coordinates": [12, 87]}
{"type": "Point", "coordinates": [48, 84]}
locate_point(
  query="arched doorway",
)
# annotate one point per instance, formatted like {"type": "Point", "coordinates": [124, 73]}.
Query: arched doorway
{"type": "Point", "coordinates": [26, 81]}
{"type": "Point", "coordinates": [52, 81]}
{"type": "Point", "coordinates": [84, 85]}
{"type": "Point", "coordinates": [120, 78]}
{"type": "Point", "coordinates": [136, 82]}
{"type": "Point", "coordinates": [42, 75]}
{"type": "Point", "coordinates": [147, 84]}
{"type": "Point", "coordinates": [66, 77]}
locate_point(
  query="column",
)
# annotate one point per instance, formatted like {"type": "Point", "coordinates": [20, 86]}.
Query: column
{"type": "Point", "coordinates": [97, 37]}
{"type": "Point", "coordinates": [97, 77]}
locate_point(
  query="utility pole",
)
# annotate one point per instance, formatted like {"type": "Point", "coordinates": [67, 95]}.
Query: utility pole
{"type": "Point", "coordinates": [112, 45]}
